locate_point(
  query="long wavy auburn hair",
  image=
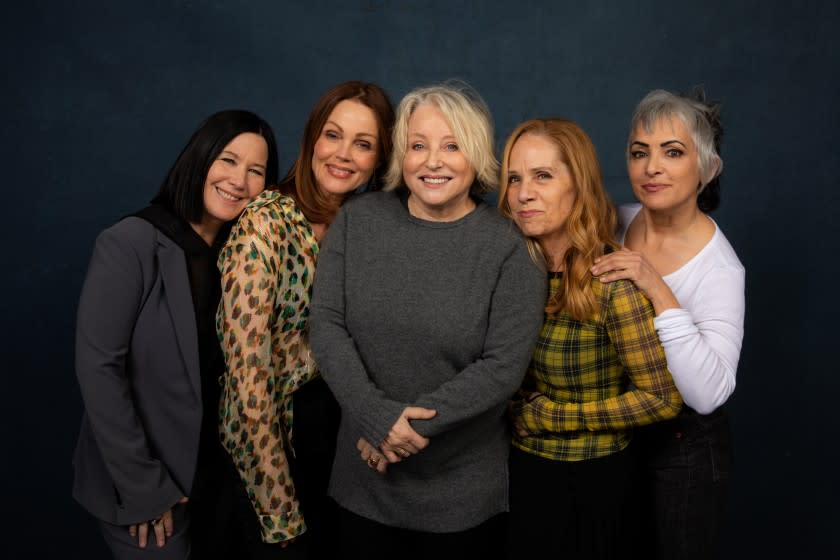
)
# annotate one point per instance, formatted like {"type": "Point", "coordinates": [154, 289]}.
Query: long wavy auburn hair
{"type": "Point", "coordinates": [591, 223]}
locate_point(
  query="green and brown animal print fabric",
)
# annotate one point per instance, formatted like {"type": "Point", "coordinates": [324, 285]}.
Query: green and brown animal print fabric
{"type": "Point", "coordinates": [267, 268]}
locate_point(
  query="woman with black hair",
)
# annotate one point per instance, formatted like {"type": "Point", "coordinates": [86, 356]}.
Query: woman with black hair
{"type": "Point", "coordinates": [679, 257]}
{"type": "Point", "coordinates": [147, 357]}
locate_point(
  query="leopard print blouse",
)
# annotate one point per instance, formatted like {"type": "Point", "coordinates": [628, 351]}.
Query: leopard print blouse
{"type": "Point", "coordinates": [267, 268]}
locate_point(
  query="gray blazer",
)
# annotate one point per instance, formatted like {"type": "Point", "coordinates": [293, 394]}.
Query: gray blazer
{"type": "Point", "coordinates": [138, 368]}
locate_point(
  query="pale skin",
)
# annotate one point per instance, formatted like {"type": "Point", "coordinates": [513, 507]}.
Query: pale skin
{"type": "Point", "coordinates": [162, 528]}
{"type": "Point", "coordinates": [343, 159]}
{"type": "Point", "coordinates": [345, 154]}
{"type": "Point", "coordinates": [401, 442]}
{"type": "Point", "coordinates": [671, 229]}
{"type": "Point", "coordinates": [438, 176]}
{"type": "Point", "coordinates": [235, 177]}
{"type": "Point", "coordinates": [540, 192]}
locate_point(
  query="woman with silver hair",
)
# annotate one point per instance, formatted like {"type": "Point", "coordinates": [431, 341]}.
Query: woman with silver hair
{"type": "Point", "coordinates": [678, 256]}
{"type": "Point", "coordinates": [425, 310]}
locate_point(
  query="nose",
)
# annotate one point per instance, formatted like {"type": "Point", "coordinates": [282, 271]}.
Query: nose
{"type": "Point", "coordinates": [239, 177]}
{"type": "Point", "coordinates": [652, 164]}
{"type": "Point", "coordinates": [525, 193]}
{"type": "Point", "coordinates": [343, 152]}
{"type": "Point", "coordinates": [433, 161]}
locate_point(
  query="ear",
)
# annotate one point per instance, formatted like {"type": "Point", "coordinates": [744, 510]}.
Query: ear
{"type": "Point", "coordinates": [714, 170]}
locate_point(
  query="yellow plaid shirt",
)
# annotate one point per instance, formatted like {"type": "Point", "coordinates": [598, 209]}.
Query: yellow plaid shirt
{"type": "Point", "coordinates": [596, 379]}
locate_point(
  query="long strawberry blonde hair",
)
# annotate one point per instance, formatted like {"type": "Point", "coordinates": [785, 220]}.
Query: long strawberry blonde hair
{"type": "Point", "coordinates": [591, 224]}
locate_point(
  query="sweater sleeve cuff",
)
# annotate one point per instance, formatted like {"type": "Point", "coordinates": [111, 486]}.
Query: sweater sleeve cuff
{"type": "Point", "coordinates": [378, 420]}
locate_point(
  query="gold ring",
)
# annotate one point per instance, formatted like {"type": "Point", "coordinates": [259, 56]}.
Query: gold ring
{"type": "Point", "coordinates": [373, 461]}
{"type": "Point", "coordinates": [402, 452]}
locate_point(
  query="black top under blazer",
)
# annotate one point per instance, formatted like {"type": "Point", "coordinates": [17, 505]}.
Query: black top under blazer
{"type": "Point", "coordinates": [137, 362]}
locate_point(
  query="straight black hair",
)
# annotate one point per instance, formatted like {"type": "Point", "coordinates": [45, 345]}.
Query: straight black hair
{"type": "Point", "coordinates": [182, 191]}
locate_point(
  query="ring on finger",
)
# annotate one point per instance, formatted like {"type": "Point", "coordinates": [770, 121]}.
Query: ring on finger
{"type": "Point", "coordinates": [373, 461]}
{"type": "Point", "coordinates": [155, 521]}
{"type": "Point", "coordinates": [401, 452]}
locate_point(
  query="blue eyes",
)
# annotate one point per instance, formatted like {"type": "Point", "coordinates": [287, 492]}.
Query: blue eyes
{"type": "Point", "coordinates": [361, 144]}
{"type": "Point", "coordinates": [446, 148]}
{"type": "Point", "coordinates": [541, 176]}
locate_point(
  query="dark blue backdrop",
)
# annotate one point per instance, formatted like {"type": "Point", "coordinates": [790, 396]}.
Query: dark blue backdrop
{"type": "Point", "coordinates": [99, 98]}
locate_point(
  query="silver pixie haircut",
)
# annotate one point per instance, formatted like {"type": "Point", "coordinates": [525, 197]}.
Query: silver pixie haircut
{"type": "Point", "coordinates": [471, 122]}
{"type": "Point", "coordinates": [697, 116]}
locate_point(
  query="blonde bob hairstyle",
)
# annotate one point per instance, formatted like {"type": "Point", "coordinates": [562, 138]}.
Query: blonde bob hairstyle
{"type": "Point", "coordinates": [470, 120]}
{"type": "Point", "coordinates": [591, 223]}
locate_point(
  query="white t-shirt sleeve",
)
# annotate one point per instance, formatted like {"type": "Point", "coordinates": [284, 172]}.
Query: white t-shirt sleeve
{"type": "Point", "coordinates": [702, 340]}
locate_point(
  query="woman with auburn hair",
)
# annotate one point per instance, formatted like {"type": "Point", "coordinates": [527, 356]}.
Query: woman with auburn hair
{"type": "Point", "coordinates": [678, 256]}
{"type": "Point", "coordinates": [267, 267]}
{"type": "Point", "coordinates": [425, 312]}
{"type": "Point", "coordinates": [598, 369]}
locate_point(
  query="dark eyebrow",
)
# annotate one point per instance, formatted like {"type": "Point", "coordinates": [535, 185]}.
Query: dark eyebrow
{"type": "Point", "coordinates": [234, 154]}
{"type": "Point", "coordinates": [335, 124]}
{"type": "Point", "coordinates": [662, 145]}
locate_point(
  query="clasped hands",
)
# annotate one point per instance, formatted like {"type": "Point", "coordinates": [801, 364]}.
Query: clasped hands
{"type": "Point", "coordinates": [401, 442]}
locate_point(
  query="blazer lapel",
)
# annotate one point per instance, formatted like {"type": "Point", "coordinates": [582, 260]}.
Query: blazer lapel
{"type": "Point", "coordinates": [173, 270]}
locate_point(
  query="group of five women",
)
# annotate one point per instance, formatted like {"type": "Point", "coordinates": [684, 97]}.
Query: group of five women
{"type": "Point", "coordinates": [456, 379]}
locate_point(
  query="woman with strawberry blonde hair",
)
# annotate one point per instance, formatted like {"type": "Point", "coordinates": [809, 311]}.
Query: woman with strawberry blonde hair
{"type": "Point", "coordinates": [597, 370]}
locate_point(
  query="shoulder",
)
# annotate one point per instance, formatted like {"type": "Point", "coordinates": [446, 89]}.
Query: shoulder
{"type": "Point", "coordinates": [266, 217]}
{"type": "Point", "coordinates": [622, 297]}
{"type": "Point", "coordinates": [132, 234]}
{"type": "Point", "coordinates": [372, 203]}
{"type": "Point", "coordinates": [131, 229]}
{"type": "Point", "coordinates": [723, 254]}
{"type": "Point", "coordinates": [269, 206]}
{"type": "Point", "coordinates": [501, 229]}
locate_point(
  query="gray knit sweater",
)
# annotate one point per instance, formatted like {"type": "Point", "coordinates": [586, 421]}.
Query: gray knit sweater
{"type": "Point", "coordinates": [442, 315]}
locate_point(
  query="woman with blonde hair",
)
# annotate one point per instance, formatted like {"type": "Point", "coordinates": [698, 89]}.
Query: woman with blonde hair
{"type": "Point", "coordinates": [598, 369]}
{"type": "Point", "coordinates": [425, 310]}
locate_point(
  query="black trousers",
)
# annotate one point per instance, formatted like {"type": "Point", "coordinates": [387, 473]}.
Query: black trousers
{"type": "Point", "coordinates": [573, 509]}
{"type": "Point", "coordinates": [687, 462]}
{"type": "Point", "coordinates": [360, 537]}
{"type": "Point", "coordinates": [224, 524]}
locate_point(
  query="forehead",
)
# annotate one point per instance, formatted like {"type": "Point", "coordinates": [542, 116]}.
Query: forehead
{"type": "Point", "coordinates": [428, 118]}
{"type": "Point", "coordinates": [248, 143]}
{"type": "Point", "coordinates": [350, 113]}
{"type": "Point", "coordinates": [665, 127]}
{"type": "Point", "coordinates": [535, 150]}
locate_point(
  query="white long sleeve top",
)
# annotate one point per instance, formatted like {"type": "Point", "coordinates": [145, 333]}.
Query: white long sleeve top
{"type": "Point", "coordinates": [702, 339]}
